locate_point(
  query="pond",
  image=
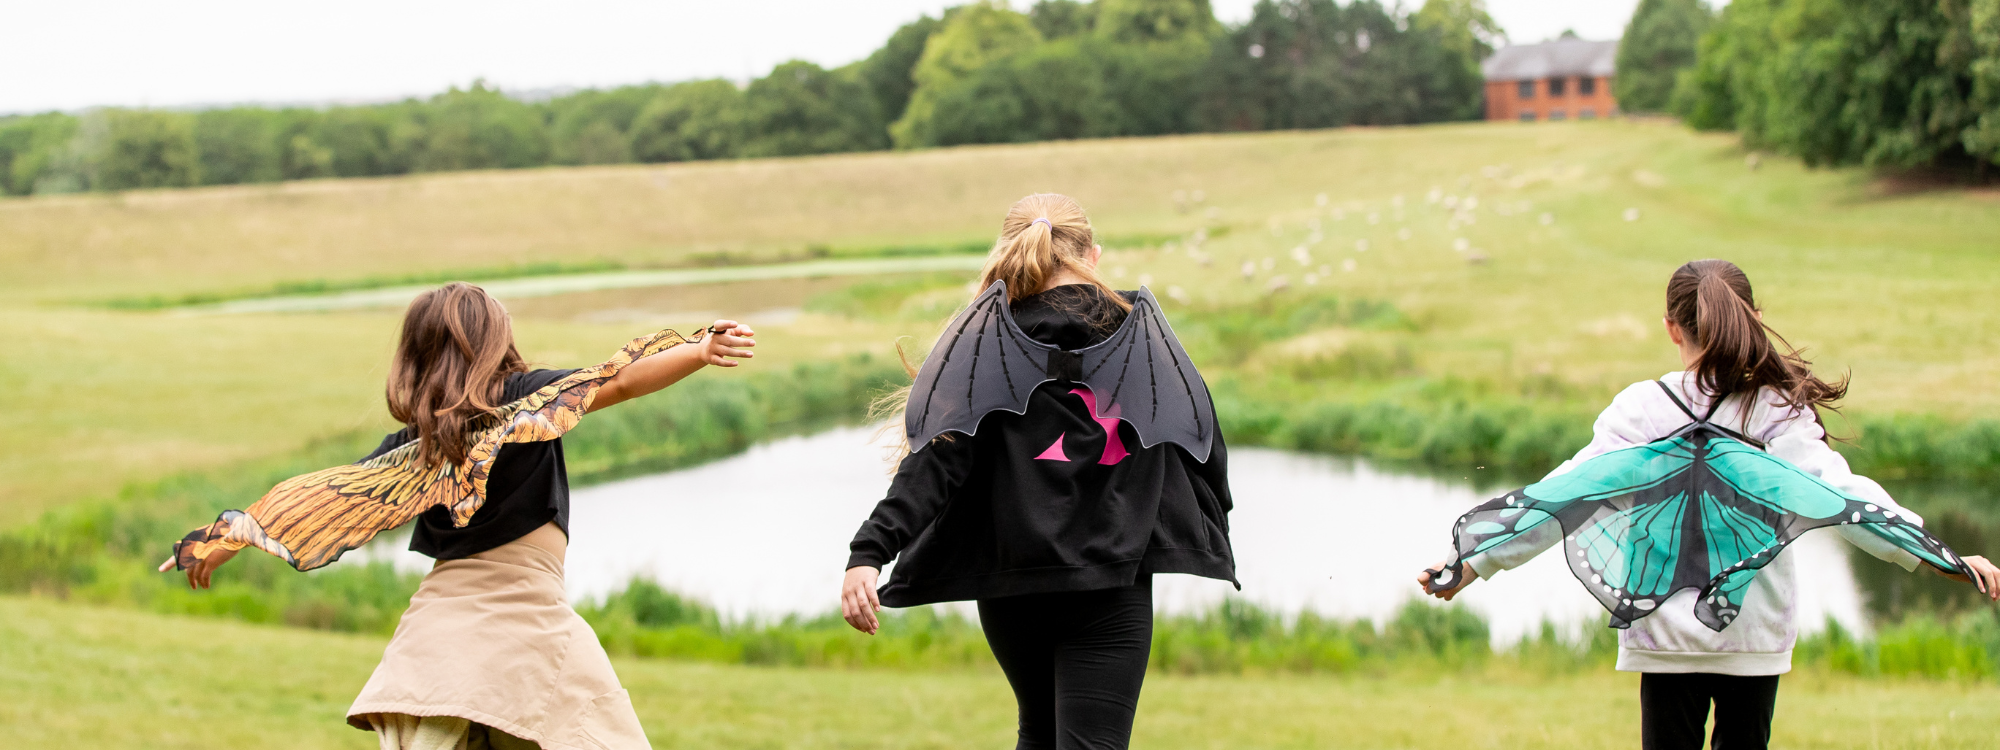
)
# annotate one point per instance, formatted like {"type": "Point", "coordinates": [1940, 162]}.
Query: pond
{"type": "Point", "coordinates": [765, 533]}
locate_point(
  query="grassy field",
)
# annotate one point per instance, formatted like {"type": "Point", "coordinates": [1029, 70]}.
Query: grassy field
{"type": "Point", "coordinates": [77, 676]}
{"type": "Point", "coordinates": [1893, 285]}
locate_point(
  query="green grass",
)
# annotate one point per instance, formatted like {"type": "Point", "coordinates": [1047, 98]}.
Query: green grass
{"type": "Point", "coordinates": [80, 676]}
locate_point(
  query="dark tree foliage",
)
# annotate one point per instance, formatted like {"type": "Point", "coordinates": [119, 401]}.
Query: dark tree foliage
{"type": "Point", "coordinates": [237, 145]}
{"type": "Point", "coordinates": [1062, 19]}
{"type": "Point", "coordinates": [1875, 82]}
{"type": "Point", "coordinates": [1314, 63]}
{"type": "Point", "coordinates": [980, 73]}
{"type": "Point", "coordinates": [481, 128]}
{"type": "Point", "coordinates": [1141, 21]}
{"type": "Point", "coordinates": [591, 127]}
{"type": "Point", "coordinates": [801, 108]}
{"type": "Point", "coordinates": [689, 121]}
{"type": "Point", "coordinates": [1658, 44]}
{"type": "Point", "coordinates": [31, 152]}
{"type": "Point", "coordinates": [889, 72]}
{"type": "Point", "coordinates": [145, 149]}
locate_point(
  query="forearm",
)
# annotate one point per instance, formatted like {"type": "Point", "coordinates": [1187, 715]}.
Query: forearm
{"type": "Point", "coordinates": [650, 375]}
{"type": "Point", "coordinates": [726, 342]}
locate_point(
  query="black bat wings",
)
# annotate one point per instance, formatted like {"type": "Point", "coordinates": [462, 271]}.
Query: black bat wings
{"type": "Point", "coordinates": [984, 362]}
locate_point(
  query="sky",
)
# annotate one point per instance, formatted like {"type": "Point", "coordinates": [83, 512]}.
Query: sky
{"type": "Point", "coordinates": [84, 53]}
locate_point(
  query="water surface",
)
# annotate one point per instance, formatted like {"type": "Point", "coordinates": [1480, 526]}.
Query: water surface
{"type": "Point", "coordinates": [765, 533]}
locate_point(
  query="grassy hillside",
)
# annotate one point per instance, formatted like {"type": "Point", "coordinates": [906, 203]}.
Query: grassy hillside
{"type": "Point", "coordinates": [75, 676]}
{"type": "Point", "coordinates": [1560, 309]}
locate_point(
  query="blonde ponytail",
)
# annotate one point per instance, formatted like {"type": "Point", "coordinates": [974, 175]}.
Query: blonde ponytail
{"type": "Point", "coordinates": [1043, 235]}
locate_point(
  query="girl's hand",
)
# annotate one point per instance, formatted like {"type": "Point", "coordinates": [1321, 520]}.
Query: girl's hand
{"type": "Point", "coordinates": [1466, 577]}
{"type": "Point", "coordinates": [858, 602]}
{"type": "Point", "coordinates": [728, 339]}
{"type": "Point", "coordinates": [1984, 575]}
{"type": "Point", "coordinates": [199, 574]}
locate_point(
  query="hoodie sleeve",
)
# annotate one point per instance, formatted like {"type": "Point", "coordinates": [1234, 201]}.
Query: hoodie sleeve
{"type": "Point", "coordinates": [925, 482]}
{"type": "Point", "coordinates": [1624, 423]}
{"type": "Point", "coordinates": [1801, 440]}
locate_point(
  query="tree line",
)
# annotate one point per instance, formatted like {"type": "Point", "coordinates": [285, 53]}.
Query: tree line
{"type": "Point", "coordinates": [1891, 83]}
{"type": "Point", "coordinates": [980, 73]}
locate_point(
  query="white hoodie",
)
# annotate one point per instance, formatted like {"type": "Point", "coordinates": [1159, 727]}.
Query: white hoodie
{"type": "Point", "coordinates": [1760, 640]}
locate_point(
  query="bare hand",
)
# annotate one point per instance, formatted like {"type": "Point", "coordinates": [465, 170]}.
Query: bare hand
{"type": "Point", "coordinates": [731, 340]}
{"type": "Point", "coordinates": [1466, 577]}
{"type": "Point", "coordinates": [1985, 576]}
{"type": "Point", "coordinates": [203, 568]}
{"type": "Point", "coordinates": [858, 601]}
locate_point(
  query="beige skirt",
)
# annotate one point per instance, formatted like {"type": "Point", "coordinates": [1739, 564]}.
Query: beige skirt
{"type": "Point", "coordinates": [491, 639]}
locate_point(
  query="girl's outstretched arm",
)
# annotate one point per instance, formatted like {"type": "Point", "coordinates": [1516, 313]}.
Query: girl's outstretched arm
{"type": "Point", "coordinates": [733, 341]}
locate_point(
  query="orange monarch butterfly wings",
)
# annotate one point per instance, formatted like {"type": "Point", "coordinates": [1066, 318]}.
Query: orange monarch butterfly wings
{"type": "Point", "coordinates": [312, 519]}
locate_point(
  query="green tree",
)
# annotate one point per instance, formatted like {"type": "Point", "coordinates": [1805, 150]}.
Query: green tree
{"type": "Point", "coordinates": [1875, 82]}
{"type": "Point", "coordinates": [481, 128]}
{"type": "Point", "coordinates": [236, 145]}
{"type": "Point", "coordinates": [1982, 137]}
{"type": "Point", "coordinates": [801, 108]}
{"type": "Point", "coordinates": [889, 72]}
{"type": "Point", "coordinates": [1316, 64]}
{"type": "Point", "coordinates": [1132, 21]}
{"type": "Point", "coordinates": [372, 140]}
{"type": "Point", "coordinates": [1062, 19]}
{"type": "Point", "coordinates": [143, 148]}
{"type": "Point", "coordinates": [1046, 92]}
{"type": "Point", "coordinates": [30, 146]}
{"type": "Point", "coordinates": [592, 127]}
{"type": "Point", "coordinates": [688, 121]}
{"type": "Point", "coordinates": [973, 37]}
{"type": "Point", "coordinates": [1659, 43]}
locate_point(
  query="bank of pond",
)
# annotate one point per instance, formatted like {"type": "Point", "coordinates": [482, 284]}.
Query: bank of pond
{"type": "Point", "coordinates": [665, 565]}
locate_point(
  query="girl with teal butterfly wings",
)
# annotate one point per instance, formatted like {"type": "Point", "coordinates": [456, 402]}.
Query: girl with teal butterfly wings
{"type": "Point", "coordinates": [1676, 515]}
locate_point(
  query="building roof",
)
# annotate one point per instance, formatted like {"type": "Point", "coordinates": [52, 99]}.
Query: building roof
{"type": "Point", "coordinates": [1568, 56]}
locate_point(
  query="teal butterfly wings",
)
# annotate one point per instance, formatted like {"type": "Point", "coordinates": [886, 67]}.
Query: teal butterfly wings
{"type": "Point", "coordinates": [1703, 508]}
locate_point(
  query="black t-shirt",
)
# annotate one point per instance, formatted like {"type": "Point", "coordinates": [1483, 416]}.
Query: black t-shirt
{"type": "Point", "coordinates": [528, 487]}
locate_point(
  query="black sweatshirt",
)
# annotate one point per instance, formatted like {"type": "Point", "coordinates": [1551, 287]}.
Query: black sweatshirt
{"type": "Point", "coordinates": [528, 487]}
{"type": "Point", "coordinates": [1038, 502]}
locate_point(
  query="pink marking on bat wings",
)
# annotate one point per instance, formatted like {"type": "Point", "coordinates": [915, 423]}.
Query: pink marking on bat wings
{"type": "Point", "coordinates": [1055, 452]}
{"type": "Point", "coordinates": [1114, 446]}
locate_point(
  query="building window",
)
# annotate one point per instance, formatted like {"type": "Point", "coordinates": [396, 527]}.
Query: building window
{"type": "Point", "coordinates": [1586, 86]}
{"type": "Point", "coordinates": [1527, 117]}
{"type": "Point", "coordinates": [1557, 115]}
{"type": "Point", "coordinates": [1556, 86]}
{"type": "Point", "coordinates": [1527, 90]}
{"type": "Point", "coordinates": [1587, 114]}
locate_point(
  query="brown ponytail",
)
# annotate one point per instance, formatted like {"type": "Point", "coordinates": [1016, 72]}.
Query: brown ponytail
{"type": "Point", "coordinates": [456, 350]}
{"type": "Point", "coordinates": [1711, 301]}
{"type": "Point", "coordinates": [1042, 235]}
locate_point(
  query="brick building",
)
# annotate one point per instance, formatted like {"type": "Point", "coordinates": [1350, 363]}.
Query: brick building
{"type": "Point", "coordinates": [1569, 78]}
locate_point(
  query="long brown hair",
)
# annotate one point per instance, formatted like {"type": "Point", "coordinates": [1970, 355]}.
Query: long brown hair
{"type": "Point", "coordinates": [1711, 301]}
{"type": "Point", "coordinates": [455, 353]}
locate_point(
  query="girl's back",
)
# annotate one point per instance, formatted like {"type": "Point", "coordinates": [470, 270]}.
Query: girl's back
{"type": "Point", "coordinates": [1760, 640]}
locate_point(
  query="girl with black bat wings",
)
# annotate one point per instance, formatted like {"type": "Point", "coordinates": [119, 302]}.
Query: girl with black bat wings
{"type": "Point", "coordinates": [1062, 451]}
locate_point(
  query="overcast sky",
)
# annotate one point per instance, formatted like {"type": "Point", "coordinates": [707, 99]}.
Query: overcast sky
{"type": "Point", "coordinates": [83, 53]}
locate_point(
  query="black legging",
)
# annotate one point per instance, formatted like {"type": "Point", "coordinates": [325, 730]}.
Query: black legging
{"type": "Point", "coordinates": [1076, 660]}
{"type": "Point", "coordinates": [1673, 708]}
